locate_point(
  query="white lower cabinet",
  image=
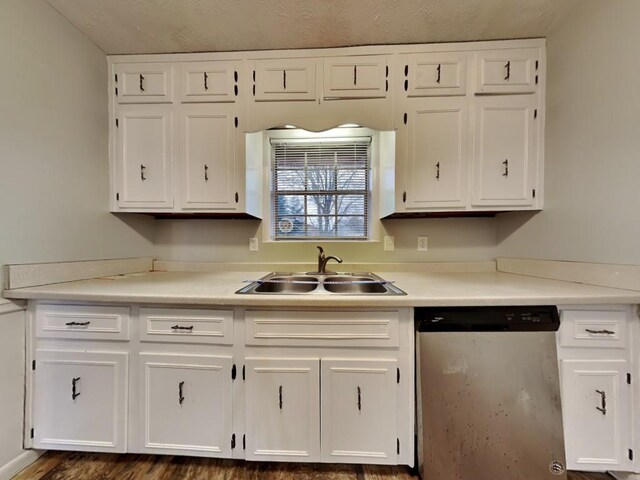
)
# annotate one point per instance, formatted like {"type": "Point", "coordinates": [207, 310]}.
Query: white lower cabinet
{"type": "Point", "coordinates": [597, 399]}
{"type": "Point", "coordinates": [359, 411]}
{"type": "Point", "coordinates": [80, 401]}
{"type": "Point", "coordinates": [185, 404]}
{"type": "Point", "coordinates": [283, 409]}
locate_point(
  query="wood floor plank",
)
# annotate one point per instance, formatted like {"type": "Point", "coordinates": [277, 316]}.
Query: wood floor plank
{"type": "Point", "coordinates": [95, 466]}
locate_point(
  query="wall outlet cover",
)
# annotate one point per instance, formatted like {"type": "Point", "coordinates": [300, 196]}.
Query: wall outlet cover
{"type": "Point", "coordinates": [253, 244]}
{"type": "Point", "coordinates": [389, 244]}
{"type": "Point", "coordinates": [423, 244]}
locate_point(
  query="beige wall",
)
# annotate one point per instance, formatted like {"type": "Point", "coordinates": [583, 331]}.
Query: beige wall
{"type": "Point", "coordinates": [53, 144]}
{"type": "Point", "coordinates": [592, 176]}
{"type": "Point", "coordinates": [459, 239]}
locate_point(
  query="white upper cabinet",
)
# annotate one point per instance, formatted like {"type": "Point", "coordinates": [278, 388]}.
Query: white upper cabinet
{"type": "Point", "coordinates": [508, 71]}
{"type": "Point", "coordinates": [356, 77]}
{"type": "Point", "coordinates": [207, 150]}
{"type": "Point", "coordinates": [437, 153]}
{"type": "Point", "coordinates": [285, 79]}
{"type": "Point", "coordinates": [185, 404]}
{"type": "Point", "coordinates": [209, 81]}
{"type": "Point", "coordinates": [435, 74]}
{"type": "Point", "coordinates": [283, 409]}
{"type": "Point", "coordinates": [505, 159]}
{"type": "Point", "coordinates": [144, 82]}
{"type": "Point", "coordinates": [144, 156]}
{"type": "Point", "coordinates": [359, 411]}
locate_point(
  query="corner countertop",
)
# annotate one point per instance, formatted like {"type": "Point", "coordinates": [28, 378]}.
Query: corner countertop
{"type": "Point", "coordinates": [423, 289]}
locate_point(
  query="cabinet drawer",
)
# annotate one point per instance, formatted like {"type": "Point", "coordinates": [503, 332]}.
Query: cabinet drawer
{"type": "Point", "coordinates": [435, 74]}
{"type": "Point", "coordinates": [336, 328]}
{"type": "Point", "coordinates": [285, 79]}
{"type": "Point", "coordinates": [86, 322]}
{"type": "Point", "coordinates": [593, 328]}
{"type": "Point", "coordinates": [186, 325]}
{"type": "Point", "coordinates": [144, 83]}
{"type": "Point", "coordinates": [508, 71]}
{"type": "Point", "coordinates": [355, 77]}
{"type": "Point", "coordinates": [209, 81]}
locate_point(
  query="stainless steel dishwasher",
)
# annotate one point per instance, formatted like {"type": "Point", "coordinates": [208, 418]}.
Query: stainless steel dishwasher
{"type": "Point", "coordinates": [488, 394]}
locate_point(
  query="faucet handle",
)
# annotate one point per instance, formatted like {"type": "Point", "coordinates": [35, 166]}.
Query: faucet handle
{"type": "Point", "coordinates": [321, 250]}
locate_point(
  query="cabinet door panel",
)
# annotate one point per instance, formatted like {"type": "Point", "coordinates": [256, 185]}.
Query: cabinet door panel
{"type": "Point", "coordinates": [505, 154]}
{"type": "Point", "coordinates": [209, 81]}
{"type": "Point", "coordinates": [285, 79]}
{"type": "Point", "coordinates": [355, 77]}
{"type": "Point", "coordinates": [185, 401]}
{"type": "Point", "coordinates": [436, 74]}
{"type": "Point", "coordinates": [359, 413]}
{"type": "Point", "coordinates": [283, 417]}
{"type": "Point", "coordinates": [144, 156]}
{"type": "Point", "coordinates": [80, 401]}
{"type": "Point", "coordinates": [508, 71]}
{"type": "Point", "coordinates": [144, 82]}
{"type": "Point", "coordinates": [595, 399]}
{"type": "Point", "coordinates": [437, 153]}
{"type": "Point", "coordinates": [208, 151]}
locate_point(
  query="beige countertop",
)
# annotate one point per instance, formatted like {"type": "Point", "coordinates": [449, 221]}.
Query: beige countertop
{"type": "Point", "coordinates": [423, 289]}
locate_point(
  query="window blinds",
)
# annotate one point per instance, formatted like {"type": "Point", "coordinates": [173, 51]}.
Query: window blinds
{"type": "Point", "coordinates": [321, 188]}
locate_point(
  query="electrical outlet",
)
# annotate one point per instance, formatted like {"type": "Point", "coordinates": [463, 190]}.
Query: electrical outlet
{"type": "Point", "coordinates": [389, 244]}
{"type": "Point", "coordinates": [253, 244]}
{"type": "Point", "coordinates": [423, 244]}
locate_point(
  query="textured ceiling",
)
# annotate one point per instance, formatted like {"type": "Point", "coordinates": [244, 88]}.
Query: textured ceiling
{"type": "Point", "coordinates": [155, 26]}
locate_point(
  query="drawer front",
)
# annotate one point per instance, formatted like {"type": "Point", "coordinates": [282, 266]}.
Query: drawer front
{"type": "Point", "coordinates": [593, 328]}
{"type": "Point", "coordinates": [336, 328]}
{"type": "Point", "coordinates": [508, 71]}
{"type": "Point", "coordinates": [290, 79]}
{"type": "Point", "coordinates": [86, 322]}
{"type": "Point", "coordinates": [144, 83]}
{"type": "Point", "coordinates": [178, 325]}
{"type": "Point", "coordinates": [209, 81]}
{"type": "Point", "coordinates": [435, 74]}
{"type": "Point", "coordinates": [355, 77]}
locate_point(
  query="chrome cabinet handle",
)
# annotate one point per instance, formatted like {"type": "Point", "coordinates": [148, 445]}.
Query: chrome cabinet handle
{"type": "Point", "coordinates": [206, 173]}
{"type": "Point", "coordinates": [359, 399]}
{"type": "Point", "coordinates": [439, 70]}
{"type": "Point", "coordinates": [206, 81]}
{"type": "Point", "coordinates": [180, 391]}
{"type": "Point", "coordinates": [178, 327]}
{"type": "Point", "coordinates": [438, 171]}
{"type": "Point", "coordinates": [142, 175]}
{"type": "Point", "coordinates": [603, 400]}
{"type": "Point", "coordinates": [506, 168]}
{"type": "Point", "coordinates": [74, 385]}
{"type": "Point", "coordinates": [141, 83]}
{"type": "Point", "coordinates": [599, 332]}
{"type": "Point", "coordinates": [508, 68]}
{"type": "Point", "coordinates": [77, 324]}
{"type": "Point", "coordinates": [280, 396]}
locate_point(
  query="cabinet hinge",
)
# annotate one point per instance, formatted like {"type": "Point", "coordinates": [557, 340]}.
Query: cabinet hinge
{"type": "Point", "coordinates": [404, 197]}
{"type": "Point", "coordinates": [116, 77]}
{"type": "Point", "coordinates": [628, 379]}
{"type": "Point", "coordinates": [534, 193]}
{"type": "Point", "coordinates": [243, 372]}
{"type": "Point", "coordinates": [33, 365]}
{"type": "Point", "coordinates": [233, 372]}
{"type": "Point", "coordinates": [117, 197]}
{"type": "Point", "coordinates": [32, 433]}
{"type": "Point", "coordinates": [398, 376]}
{"type": "Point", "coordinates": [405, 118]}
{"type": "Point", "coordinates": [406, 70]}
{"type": "Point", "coordinates": [117, 123]}
{"type": "Point", "coordinates": [631, 455]}
{"type": "Point", "coordinates": [254, 75]}
{"type": "Point", "coordinates": [116, 91]}
{"type": "Point", "coordinates": [536, 79]}
{"type": "Point", "coordinates": [237, 197]}
{"type": "Point", "coordinates": [537, 63]}
{"type": "Point", "coordinates": [398, 445]}
{"type": "Point", "coordinates": [254, 89]}
{"type": "Point", "coordinates": [236, 122]}
{"type": "Point", "coordinates": [535, 113]}
{"type": "Point", "coordinates": [244, 441]}
{"type": "Point", "coordinates": [233, 441]}
{"type": "Point", "coordinates": [386, 85]}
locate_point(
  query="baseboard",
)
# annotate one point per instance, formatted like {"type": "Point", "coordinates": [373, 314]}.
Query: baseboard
{"type": "Point", "coordinates": [625, 475]}
{"type": "Point", "coordinates": [19, 463]}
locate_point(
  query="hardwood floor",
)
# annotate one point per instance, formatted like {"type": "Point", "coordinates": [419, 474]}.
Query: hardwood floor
{"type": "Point", "coordinates": [92, 466]}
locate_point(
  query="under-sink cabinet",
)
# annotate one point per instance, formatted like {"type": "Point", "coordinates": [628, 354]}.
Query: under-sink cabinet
{"type": "Point", "coordinates": [304, 385]}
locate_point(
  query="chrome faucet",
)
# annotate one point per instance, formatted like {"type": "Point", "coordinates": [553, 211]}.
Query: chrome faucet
{"type": "Point", "coordinates": [322, 262]}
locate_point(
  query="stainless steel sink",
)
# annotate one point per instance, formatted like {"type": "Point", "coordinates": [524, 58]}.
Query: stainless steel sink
{"type": "Point", "coordinates": [279, 283]}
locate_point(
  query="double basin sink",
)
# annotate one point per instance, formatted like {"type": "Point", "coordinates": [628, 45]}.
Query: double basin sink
{"type": "Point", "coordinates": [278, 283]}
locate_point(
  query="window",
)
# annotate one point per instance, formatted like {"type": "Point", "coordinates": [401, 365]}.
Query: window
{"type": "Point", "coordinates": [321, 188]}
